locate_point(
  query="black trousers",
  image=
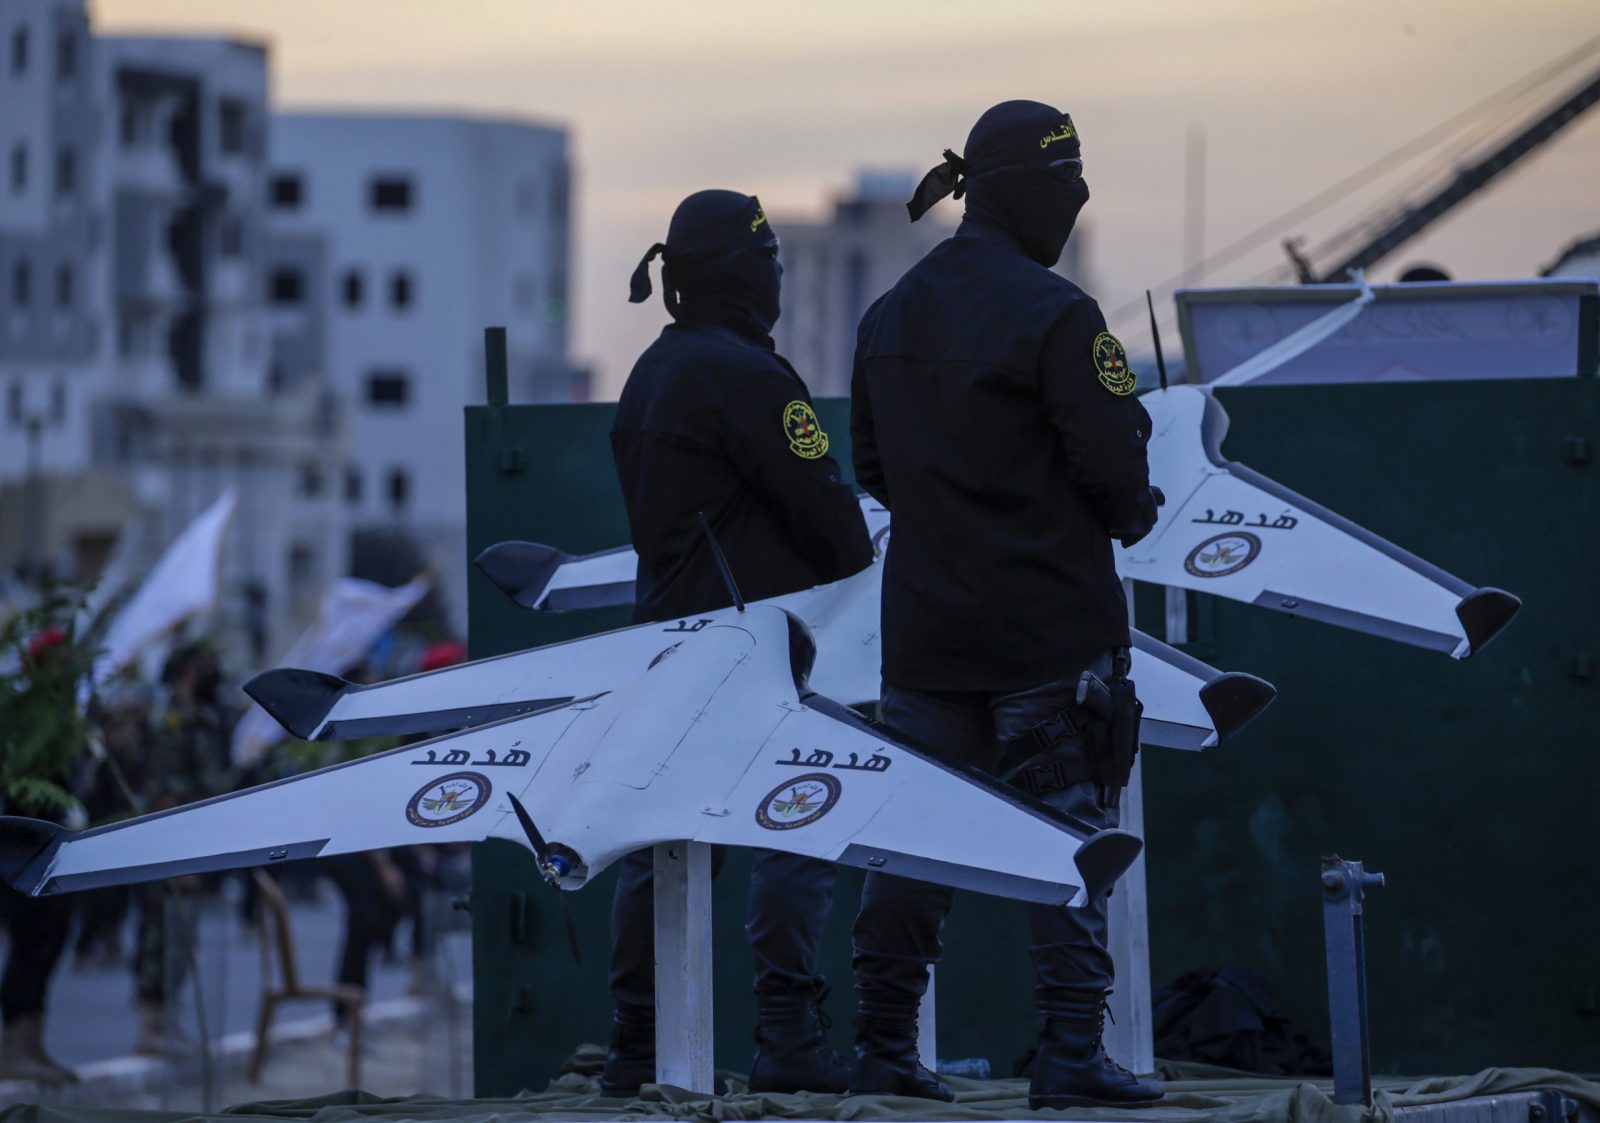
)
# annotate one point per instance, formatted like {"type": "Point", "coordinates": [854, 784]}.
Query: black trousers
{"type": "Point", "coordinates": [38, 928]}
{"type": "Point", "coordinates": [896, 933]}
{"type": "Point", "coordinates": [370, 915]}
{"type": "Point", "coordinates": [165, 942]}
{"type": "Point", "coordinates": [790, 898]}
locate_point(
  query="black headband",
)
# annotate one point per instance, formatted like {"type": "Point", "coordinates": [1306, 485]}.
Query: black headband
{"type": "Point", "coordinates": [943, 179]}
{"type": "Point", "coordinates": [1025, 144]}
{"type": "Point", "coordinates": [639, 283]}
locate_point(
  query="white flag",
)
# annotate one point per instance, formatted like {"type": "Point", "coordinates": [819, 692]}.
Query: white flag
{"type": "Point", "coordinates": [353, 616]}
{"type": "Point", "coordinates": [182, 585]}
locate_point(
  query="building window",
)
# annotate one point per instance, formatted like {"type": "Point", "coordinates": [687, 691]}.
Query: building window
{"type": "Point", "coordinates": [400, 289]}
{"type": "Point", "coordinates": [233, 120]}
{"type": "Point", "coordinates": [352, 484]}
{"type": "Point", "coordinates": [302, 569]}
{"type": "Point", "coordinates": [67, 56]}
{"type": "Point", "coordinates": [391, 193]}
{"type": "Point", "coordinates": [310, 479]}
{"type": "Point", "coordinates": [399, 489]}
{"type": "Point", "coordinates": [352, 288]}
{"type": "Point", "coordinates": [287, 286]}
{"type": "Point", "coordinates": [558, 193]}
{"type": "Point", "coordinates": [58, 404]}
{"type": "Point", "coordinates": [19, 51]}
{"type": "Point", "coordinates": [388, 388]}
{"type": "Point", "coordinates": [230, 236]}
{"type": "Point", "coordinates": [527, 199]}
{"type": "Point", "coordinates": [19, 166]}
{"type": "Point", "coordinates": [66, 173]}
{"type": "Point", "coordinates": [128, 124]}
{"type": "Point", "coordinates": [525, 292]}
{"type": "Point", "coordinates": [286, 192]}
{"type": "Point", "coordinates": [64, 286]}
{"type": "Point", "coordinates": [14, 402]}
{"type": "Point", "coordinates": [555, 305]}
{"type": "Point", "coordinates": [21, 284]}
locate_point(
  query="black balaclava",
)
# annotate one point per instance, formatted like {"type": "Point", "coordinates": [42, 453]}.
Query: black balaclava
{"type": "Point", "coordinates": [719, 263]}
{"type": "Point", "coordinates": [1015, 176]}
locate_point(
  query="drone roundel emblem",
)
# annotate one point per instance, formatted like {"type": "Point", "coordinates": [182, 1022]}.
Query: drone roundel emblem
{"type": "Point", "coordinates": [798, 802]}
{"type": "Point", "coordinates": [448, 799]}
{"type": "Point", "coordinates": [1223, 554]}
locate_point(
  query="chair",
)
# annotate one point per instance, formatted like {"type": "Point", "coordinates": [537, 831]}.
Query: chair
{"type": "Point", "coordinates": [277, 941]}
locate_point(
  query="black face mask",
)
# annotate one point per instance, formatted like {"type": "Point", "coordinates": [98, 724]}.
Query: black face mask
{"type": "Point", "coordinates": [1037, 206]}
{"type": "Point", "coordinates": [1020, 173]}
{"type": "Point", "coordinates": [719, 263]}
{"type": "Point", "coordinates": [745, 282]}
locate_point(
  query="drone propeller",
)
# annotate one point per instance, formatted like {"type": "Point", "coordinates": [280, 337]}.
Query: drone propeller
{"type": "Point", "coordinates": [552, 865]}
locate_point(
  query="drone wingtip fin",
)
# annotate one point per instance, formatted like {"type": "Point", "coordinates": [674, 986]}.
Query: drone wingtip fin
{"type": "Point", "coordinates": [1234, 700]}
{"type": "Point", "coordinates": [299, 700]}
{"type": "Point", "coordinates": [1483, 613]}
{"type": "Point", "coordinates": [27, 847]}
{"type": "Point", "coordinates": [521, 570]}
{"type": "Point", "coordinates": [1104, 858]}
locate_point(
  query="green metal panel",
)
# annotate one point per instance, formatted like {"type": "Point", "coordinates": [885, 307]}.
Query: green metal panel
{"type": "Point", "coordinates": [1470, 784]}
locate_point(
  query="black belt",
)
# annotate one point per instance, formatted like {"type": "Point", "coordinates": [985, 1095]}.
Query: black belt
{"type": "Point", "coordinates": [1053, 775]}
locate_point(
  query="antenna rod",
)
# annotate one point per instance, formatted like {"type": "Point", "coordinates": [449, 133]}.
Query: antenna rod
{"type": "Point", "coordinates": [1155, 334]}
{"type": "Point", "coordinates": [722, 563]}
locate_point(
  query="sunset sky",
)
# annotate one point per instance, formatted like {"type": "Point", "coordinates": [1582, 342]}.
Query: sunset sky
{"type": "Point", "coordinates": [788, 100]}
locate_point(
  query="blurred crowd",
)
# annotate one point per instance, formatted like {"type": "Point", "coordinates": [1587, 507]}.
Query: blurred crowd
{"type": "Point", "coordinates": [138, 747]}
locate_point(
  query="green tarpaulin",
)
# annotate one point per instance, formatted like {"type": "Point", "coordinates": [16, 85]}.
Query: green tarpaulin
{"type": "Point", "coordinates": [1193, 1093]}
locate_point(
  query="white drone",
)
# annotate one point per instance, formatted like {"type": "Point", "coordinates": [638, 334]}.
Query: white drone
{"type": "Point", "coordinates": [734, 727]}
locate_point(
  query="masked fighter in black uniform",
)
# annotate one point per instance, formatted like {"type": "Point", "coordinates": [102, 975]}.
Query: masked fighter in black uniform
{"type": "Point", "coordinates": [994, 415]}
{"type": "Point", "coordinates": [713, 420]}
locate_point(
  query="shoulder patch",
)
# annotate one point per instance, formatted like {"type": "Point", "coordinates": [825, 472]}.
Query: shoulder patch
{"type": "Point", "coordinates": [800, 425]}
{"type": "Point", "coordinates": [1111, 364]}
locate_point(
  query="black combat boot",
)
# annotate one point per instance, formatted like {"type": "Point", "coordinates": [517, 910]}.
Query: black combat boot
{"type": "Point", "coordinates": [1071, 1068]}
{"type": "Point", "coordinates": [887, 1062]}
{"type": "Point", "coordinates": [792, 1050]}
{"type": "Point", "coordinates": [631, 1060]}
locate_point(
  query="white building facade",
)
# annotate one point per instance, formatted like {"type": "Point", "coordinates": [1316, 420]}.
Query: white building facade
{"type": "Point", "coordinates": [54, 314]}
{"type": "Point", "coordinates": [134, 344]}
{"type": "Point", "coordinates": [395, 241]}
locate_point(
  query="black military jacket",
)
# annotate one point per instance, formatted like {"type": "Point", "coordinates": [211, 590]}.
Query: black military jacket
{"type": "Point", "coordinates": [712, 421]}
{"type": "Point", "coordinates": [994, 415]}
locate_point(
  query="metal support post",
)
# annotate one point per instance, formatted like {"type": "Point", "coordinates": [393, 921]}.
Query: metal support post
{"type": "Point", "coordinates": [1344, 887]}
{"type": "Point", "coordinates": [1130, 1038]}
{"type": "Point", "coordinates": [683, 966]}
{"type": "Point", "coordinates": [928, 1022]}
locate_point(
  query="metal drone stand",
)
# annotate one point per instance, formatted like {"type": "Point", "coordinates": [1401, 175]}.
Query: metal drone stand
{"type": "Point", "coordinates": [1344, 888]}
{"type": "Point", "coordinates": [683, 966]}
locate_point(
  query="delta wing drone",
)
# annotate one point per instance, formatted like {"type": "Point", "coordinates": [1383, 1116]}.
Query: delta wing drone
{"type": "Point", "coordinates": [721, 739]}
{"type": "Point", "coordinates": [1226, 530]}
{"type": "Point", "coordinates": [1233, 532]}
{"type": "Point", "coordinates": [1188, 705]}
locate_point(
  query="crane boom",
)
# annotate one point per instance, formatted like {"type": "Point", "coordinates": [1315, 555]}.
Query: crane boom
{"type": "Point", "coordinates": [1413, 220]}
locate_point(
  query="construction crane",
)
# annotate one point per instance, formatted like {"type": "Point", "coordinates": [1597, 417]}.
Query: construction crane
{"type": "Point", "coordinates": [1414, 219]}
